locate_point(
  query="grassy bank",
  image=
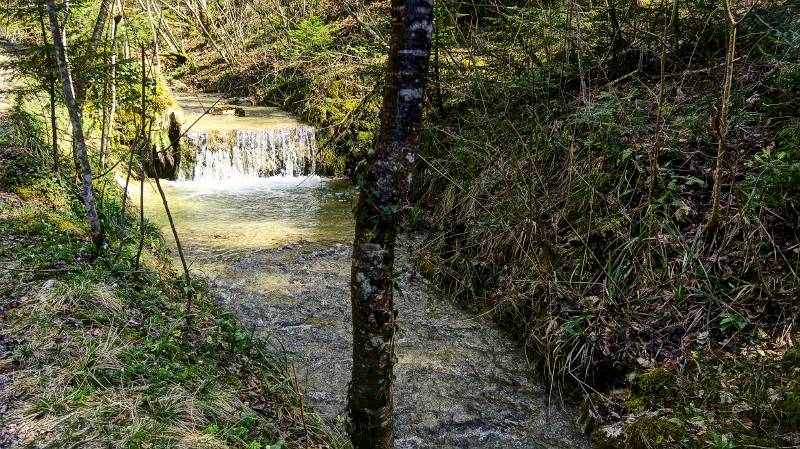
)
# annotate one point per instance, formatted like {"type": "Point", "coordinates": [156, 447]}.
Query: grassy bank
{"type": "Point", "coordinates": [537, 193]}
{"type": "Point", "coordinates": [94, 353]}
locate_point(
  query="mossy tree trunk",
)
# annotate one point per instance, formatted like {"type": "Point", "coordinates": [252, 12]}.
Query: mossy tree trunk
{"type": "Point", "coordinates": [79, 142]}
{"type": "Point", "coordinates": [382, 197]}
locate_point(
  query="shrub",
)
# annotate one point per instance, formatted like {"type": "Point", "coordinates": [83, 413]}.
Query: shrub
{"type": "Point", "coordinates": [310, 36]}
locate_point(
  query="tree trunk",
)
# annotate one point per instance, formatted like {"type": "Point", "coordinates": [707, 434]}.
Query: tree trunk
{"type": "Point", "coordinates": [584, 94]}
{"type": "Point", "coordinates": [109, 110]}
{"type": "Point", "coordinates": [51, 79]}
{"type": "Point", "coordinates": [611, 6]}
{"type": "Point", "coordinates": [382, 195]}
{"type": "Point", "coordinates": [54, 127]}
{"type": "Point", "coordinates": [659, 114]}
{"type": "Point", "coordinates": [676, 25]}
{"type": "Point", "coordinates": [722, 127]}
{"type": "Point", "coordinates": [97, 33]}
{"type": "Point", "coordinates": [79, 143]}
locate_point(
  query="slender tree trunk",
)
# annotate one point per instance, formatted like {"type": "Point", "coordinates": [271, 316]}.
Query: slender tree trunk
{"type": "Point", "coordinates": [113, 111]}
{"type": "Point", "coordinates": [154, 30]}
{"type": "Point", "coordinates": [108, 109]}
{"type": "Point", "coordinates": [382, 196]}
{"type": "Point", "coordinates": [79, 143]}
{"type": "Point", "coordinates": [54, 127]}
{"type": "Point", "coordinates": [91, 50]}
{"type": "Point", "coordinates": [584, 95]}
{"type": "Point", "coordinates": [659, 114]}
{"type": "Point", "coordinates": [676, 25]}
{"type": "Point", "coordinates": [145, 147]}
{"type": "Point", "coordinates": [722, 127]}
{"type": "Point", "coordinates": [51, 79]}
{"type": "Point", "coordinates": [611, 6]}
{"type": "Point", "coordinates": [123, 210]}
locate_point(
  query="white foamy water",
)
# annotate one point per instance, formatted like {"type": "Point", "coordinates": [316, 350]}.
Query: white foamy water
{"type": "Point", "coordinates": [265, 142]}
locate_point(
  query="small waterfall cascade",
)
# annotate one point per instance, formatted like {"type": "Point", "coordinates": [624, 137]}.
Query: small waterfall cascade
{"type": "Point", "coordinates": [238, 141]}
{"type": "Point", "coordinates": [249, 153]}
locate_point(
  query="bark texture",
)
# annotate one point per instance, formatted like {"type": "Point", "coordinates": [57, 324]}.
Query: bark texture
{"type": "Point", "coordinates": [382, 197]}
{"type": "Point", "coordinates": [88, 58]}
{"type": "Point", "coordinates": [79, 142]}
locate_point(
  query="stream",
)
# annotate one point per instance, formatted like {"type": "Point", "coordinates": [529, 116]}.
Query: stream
{"type": "Point", "coordinates": [276, 250]}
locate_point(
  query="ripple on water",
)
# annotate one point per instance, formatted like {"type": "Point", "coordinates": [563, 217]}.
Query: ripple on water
{"type": "Point", "coordinates": [278, 254]}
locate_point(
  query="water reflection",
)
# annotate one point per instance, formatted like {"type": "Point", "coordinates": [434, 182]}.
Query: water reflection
{"type": "Point", "coordinates": [260, 213]}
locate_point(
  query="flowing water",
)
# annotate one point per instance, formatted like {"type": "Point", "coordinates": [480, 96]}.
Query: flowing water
{"type": "Point", "coordinates": [277, 251]}
{"type": "Point", "coordinates": [264, 142]}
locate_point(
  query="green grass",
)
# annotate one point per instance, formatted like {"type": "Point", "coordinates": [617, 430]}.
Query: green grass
{"type": "Point", "coordinates": [103, 359]}
{"type": "Point", "coordinates": [537, 207]}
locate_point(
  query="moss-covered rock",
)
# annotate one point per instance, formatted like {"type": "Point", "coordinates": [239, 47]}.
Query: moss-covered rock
{"type": "Point", "coordinates": [651, 382]}
{"type": "Point", "coordinates": [653, 431]}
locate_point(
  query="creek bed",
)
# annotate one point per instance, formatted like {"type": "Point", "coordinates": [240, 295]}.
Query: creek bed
{"type": "Point", "coordinates": [277, 252]}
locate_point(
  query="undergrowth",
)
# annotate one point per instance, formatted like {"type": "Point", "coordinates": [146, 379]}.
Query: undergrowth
{"type": "Point", "coordinates": [97, 353]}
{"type": "Point", "coordinates": [547, 219]}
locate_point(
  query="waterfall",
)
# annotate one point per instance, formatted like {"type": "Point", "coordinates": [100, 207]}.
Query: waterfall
{"type": "Point", "coordinates": [249, 153]}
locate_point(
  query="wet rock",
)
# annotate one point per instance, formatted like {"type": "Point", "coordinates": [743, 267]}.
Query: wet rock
{"type": "Point", "coordinates": [240, 101]}
{"type": "Point", "coordinates": [166, 156]}
{"type": "Point", "coordinates": [227, 110]}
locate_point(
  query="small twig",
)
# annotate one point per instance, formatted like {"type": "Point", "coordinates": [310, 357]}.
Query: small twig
{"type": "Point", "coordinates": [124, 205]}
{"type": "Point", "coordinates": [706, 69]}
{"type": "Point", "coordinates": [302, 405]}
{"type": "Point", "coordinates": [623, 78]}
{"type": "Point", "coordinates": [42, 270]}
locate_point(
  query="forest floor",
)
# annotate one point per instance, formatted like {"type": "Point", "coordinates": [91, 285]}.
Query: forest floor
{"type": "Point", "coordinates": [8, 340]}
{"type": "Point", "coordinates": [94, 354]}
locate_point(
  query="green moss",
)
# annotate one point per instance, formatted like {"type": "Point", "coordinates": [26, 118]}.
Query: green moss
{"type": "Point", "coordinates": [652, 382]}
{"type": "Point", "coordinates": [653, 431]}
{"type": "Point", "coordinates": [635, 404]}
{"type": "Point", "coordinates": [426, 267]}
{"type": "Point", "coordinates": [791, 405]}
{"type": "Point", "coordinates": [792, 358]}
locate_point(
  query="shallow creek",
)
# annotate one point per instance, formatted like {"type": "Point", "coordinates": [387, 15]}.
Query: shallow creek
{"type": "Point", "coordinates": [276, 251]}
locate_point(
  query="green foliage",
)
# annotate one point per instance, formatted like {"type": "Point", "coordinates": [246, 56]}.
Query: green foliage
{"type": "Point", "coordinates": [103, 344]}
{"type": "Point", "coordinates": [791, 404]}
{"type": "Point", "coordinates": [312, 37]}
{"type": "Point", "coordinates": [732, 321]}
{"type": "Point", "coordinates": [776, 173]}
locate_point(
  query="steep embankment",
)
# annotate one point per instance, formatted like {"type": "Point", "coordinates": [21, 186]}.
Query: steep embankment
{"type": "Point", "coordinates": [93, 353]}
